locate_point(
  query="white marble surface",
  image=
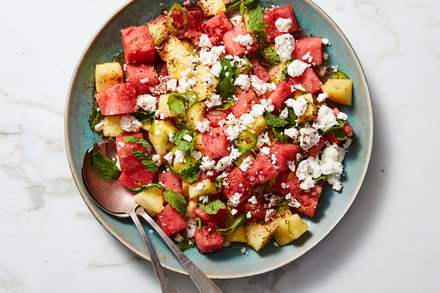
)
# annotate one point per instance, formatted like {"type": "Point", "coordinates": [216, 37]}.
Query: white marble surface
{"type": "Point", "coordinates": [388, 241]}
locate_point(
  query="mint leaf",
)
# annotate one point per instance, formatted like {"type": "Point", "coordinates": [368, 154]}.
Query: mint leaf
{"type": "Point", "coordinates": [279, 135]}
{"type": "Point", "coordinates": [176, 200]}
{"type": "Point", "coordinates": [180, 141]}
{"type": "Point", "coordinates": [177, 103]}
{"type": "Point", "coordinates": [146, 160]}
{"type": "Point", "coordinates": [335, 127]}
{"type": "Point", "coordinates": [185, 244]}
{"type": "Point", "coordinates": [256, 22]}
{"type": "Point", "coordinates": [182, 125]}
{"type": "Point", "coordinates": [225, 87]}
{"type": "Point", "coordinates": [106, 167]}
{"type": "Point", "coordinates": [213, 207]}
{"type": "Point", "coordinates": [274, 120]}
{"type": "Point", "coordinates": [191, 173]}
{"type": "Point", "coordinates": [143, 116]}
{"type": "Point", "coordinates": [137, 140]}
{"type": "Point", "coordinates": [340, 134]}
{"type": "Point", "coordinates": [218, 183]}
{"type": "Point", "coordinates": [237, 223]}
{"type": "Point", "coordinates": [291, 117]}
{"type": "Point", "coordinates": [146, 187]}
{"type": "Point", "coordinates": [94, 118]}
{"type": "Point", "coordinates": [268, 56]}
{"type": "Point", "coordinates": [284, 74]}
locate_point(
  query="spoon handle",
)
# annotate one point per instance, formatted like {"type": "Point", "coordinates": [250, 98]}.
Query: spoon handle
{"type": "Point", "coordinates": [165, 283]}
{"type": "Point", "coordinates": [202, 282]}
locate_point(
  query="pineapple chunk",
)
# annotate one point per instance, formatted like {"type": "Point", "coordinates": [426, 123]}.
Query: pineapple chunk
{"type": "Point", "coordinates": [198, 142]}
{"type": "Point", "coordinates": [112, 126]}
{"type": "Point", "coordinates": [179, 166]}
{"type": "Point", "coordinates": [212, 7]}
{"type": "Point", "coordinates": [309, 114]}
{"type": "Point", "coordinates": [151, 200]}
{"type": "Point", "coordinates": [159, 136]}
{"type": "Point", "coordinates": [259, 125]}
{"type": "Point", "coordinates": [174, 48]}
{"type": "Point", "coordinates": [238, 236]}
{"type": "Point", "coordinates": [108, 75]}
{"type": "Point", "coordinates": [158, 29]}
{"type": "Point", "coordinates": [179, 64]}
{"type": "Point", "coordinates": [275, 72]}
{"type": "Point", "coordinates": [289, 229]}
{"type": "Point", "coordinates": [339, 91]}
{"type": "Point", "coordinates": [185, 188]}
{"type": "Point", "coordinates": [163, 107]}
{"type": "Point", "coordinates": [195, 114]}
{"type": "Point", "coordinates": [190, 209]}
{"type": "Point", "coordinates": [146, 125]}
{"type": "Point", "coordinates": [206, 82]}
{"type": "Point", "coordinates": [204, 187]}
{"type": "Point", "coordinates": [259, 234]}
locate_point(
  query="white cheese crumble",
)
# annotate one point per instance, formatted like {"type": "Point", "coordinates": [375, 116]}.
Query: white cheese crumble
{"type": "Point", "coordinates": [169, 157]}
{"type": "Point", "coordinates": [246, 164]}
{"type": "Point", "coordinates": [322, 97]}
{"type": "Point", "coordinates": [284, 113]}
{"type": "Point", "coordinates": [307, 57]}
{"type": "Point", "coordinates": [253, 200]}
{"type": "Point", "coordinates": [172, 85]}
{"type": "Point", "coordinates": [227, 161]}
{"type": "Point", "coordinates": [179, 156]}
{"type": "Point", "coordinates": [260, 87]}
{"type": "Point", "coordinates": [188, 138]}
{"type": "Point", "coordinates": [99, 126]}
{"type": "Point", "coordinates": [299, 105]}
{"type": "Point", "coordinates": [285, 44]}
{"type": "Point", "coordinates": [243, 250]}
{"type": "Point", "coordinates": [232, 132]}
{"type": "Point", "coordinates": [210, 57]}
{"type": "Point", "coordinates": [236, 19]}
{"type": "Point", "coordinates": [265, 150]}
{"type": "Point", "coordinates": [243, 82]}
{"type": "Point", "coordinates": [207, 164]}
{"type": "Point", "coordinates": [325, 119]}
{"type": "Point", "coordinates": [130, 124]}
{"type": "Point", "coordinates": [291, 165]}
{"type": "Point", "coordinates": [283, 24]}
{"type": "Point", "coordinates": [156, 159]}
{"type": "Point", "coordinates": [342, 116]}
{"type": "Point", "coordinates": [191, 226]}
{"type": "Point", "coordinates": [244, 40]}
{"type": "Point", "coordinates": [147, 102]}
{"type": "Point", "coordinates": [233, 212]}
{"type": "Point", "coordinates": [292, 133]}
{"type": "Point", "coordinates": [234, 201]}
{"type": "Point", "coordinates": [202, 126]}
{"type": "Point", "coordinates": [297, 68]}
{"type": "Point", "coordinates": [309, 137]}
{"type": "Point", "coordinates": [213, 101]}
{"type": "Point", "coordinates": [196, 155]}
{"type": "Point", "coordinates": [205, 41]}
{"type": "Point", "coordinates": [216, 68]}
{"type": "Point", "coordinates": [199, 187]}
{"type": "Point", "coordinates": [263, 139]}
{"type": "Point", "coordinates": [325, 42]}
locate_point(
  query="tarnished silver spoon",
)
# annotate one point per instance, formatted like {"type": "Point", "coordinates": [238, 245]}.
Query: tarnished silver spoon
{"type": "Point", "coordinates": [116, 200]}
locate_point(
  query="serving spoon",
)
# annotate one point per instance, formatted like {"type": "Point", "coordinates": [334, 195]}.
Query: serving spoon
{"type": "Point", "coordinates": [116, 200]}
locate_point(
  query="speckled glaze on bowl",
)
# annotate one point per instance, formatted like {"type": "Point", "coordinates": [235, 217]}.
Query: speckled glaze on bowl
{"type": "Point", "coordinates": [230, 262]}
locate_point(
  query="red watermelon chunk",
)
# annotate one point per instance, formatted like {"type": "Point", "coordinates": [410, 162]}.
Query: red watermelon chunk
{"type": "Point", "coordinates": [347, 128]}
{"type": "Point", "coordinates": [170, 220]}
{"type": "Point", "coordinates": [127, 160]}
{"type": "Point", "coordinates": [194, 24]}
{"type": "Point", "coordinates": [332, 138]}
{"type": "Point", "coordinates": [284, 152]}
{"type": "Point", "coordinates": [119, 99]}
{"type": "Point", "coordinates": [259, 70]}
{"type": "Point", "coordinates": [314, 150]}
{"type": "Point", "coordinates": [206, 218]}
{"type": "Point", "coordinates": [136, 178]}
{"type": "Point", "coordinates": [170, 181]}
{"type": "Point", "coordinates": [261, 171]}
{"type": "Point", "coordinates": [208, 240]}
{"type": "Point", "coordinates": [236, 183]}
{"type": "Point", "coordinates": [138, 45]}
{"type": "Point", "coordinates": [280, 12]}
{"type": "Point", "coordinates": [236, 48]}
{"type": "Point", "coordinates": [204, 175]}
{"type": "Point", "coordinates": [143, 77]}
{"type": "Point", "coordinates": [280, 95]}
{"type": "Point", "coordinates": [215, 143]}
{"type": "Point", "coordinates": [245, 100]}
{"type": "Point", "coordinates": [311, 81]}
{"type": "Point", "coordinates": [216, 27]}
{"type": "Point", "coordinates": [309, 45]}
{"type": "Point", "coordinates": [215, 116]}
{"type": "Point", "coordinates": [258, 211]}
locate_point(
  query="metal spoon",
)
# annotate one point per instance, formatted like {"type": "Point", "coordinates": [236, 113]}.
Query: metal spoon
{"type": "Point", "coordinates": [116, 200]}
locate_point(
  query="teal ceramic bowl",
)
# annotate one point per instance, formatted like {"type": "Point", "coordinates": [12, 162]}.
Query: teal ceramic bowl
{"type": "Point", "coordinates": [230, 262]}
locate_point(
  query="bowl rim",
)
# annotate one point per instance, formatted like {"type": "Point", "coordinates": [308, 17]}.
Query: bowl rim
{"type": "Point", "coordinates": [93, 208]}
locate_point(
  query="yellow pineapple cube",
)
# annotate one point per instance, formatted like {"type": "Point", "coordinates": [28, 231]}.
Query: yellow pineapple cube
{"type": "Point", "coordinates": [198, 142]}
{"type": "Point", "coordinates": [339, 91]}
{"type": "Point", "coordinates": [190, 208]}
{"type": "Point", "coordinates": [259, 125]}
{"type": "Point", "coordinates": [195, 114]}
{"type": "Point", "coordinates": [178, 64]}
{"type": "Point", "coordinates": [151, 200]}
{"type": "Point", "coordinates": [238, 235]}
{"type": "Point", "coordinates": [310, 113]}
{"type": "Point", "coordinates": [159, 135]}
{"type": "Point", "coordinates": [289, 229]}
{"type": "Point", "coordinates": [260, 234]}
{"type": "Point", "coordinates": [275, 72]}
{"type": "Point", "coordinates": [185, 188]}
{"type": "Point", "coordinates": [112, 126]}
{"type": "Point", "coordinates": [212, 7]}
{"type": "Point", "coordinates": [204, 187]}
{"type": "Point", "coordinates": [108, 75]}
{"type": "Point", "coordinates": [206, 82]}
{"type": "Point", "coordinates": [174, 48]}
{"type": "Point", "coordinates": [163, 107]}
{"type": "Point", "coordinates": [158, 29]}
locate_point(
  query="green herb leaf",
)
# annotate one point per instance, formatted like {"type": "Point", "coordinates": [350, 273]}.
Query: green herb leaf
{"type": "Point", "coordinates": [181, 143]}
{"type": "Point", "coordinates": [340, 134]}
{"type": "Point", "coordinates": [226, 104]}
{"type": "Point", "coordinates": [177, 103]}
{"type": "Point", "coordinates": [218, 183]}
{"type": "Point", "coordinates": [213, 207]}
{"type": "Point", "coordinates": [284, 74]}
{"type": "Point", "coordinates": [322, 177]}
{"type": "Point", "coordinates": [237, 223]}
{"type": "Point", "coordinates": [268, 56]}
{"type": "Point", "coordinates": [233, 7]}
{"type": "Point", "coordinates": [106, 167]}
{"type": "Point", "coordinates": [225, 87]}
{"type": "Point", "coordinates": [185, 244]}
{"type": "Point", "coordinates": [94, 118]}
{"type": "Point", "coordinates": [182, 125]}
{"type": "Point", "coordinates": [279, 135]}
{"type": "Point", "coordinates": [146, 187]}
{"type": "Point", "coordinates": [143, 116]}
{"type": "Point", "coordinates": [256, 22]}
{"type": "Point", "coordinates": [137, 140]}
{"type": "Point", "coordinates": [191, 173]}
{"type": "Point", "coordinates": [199, 223]}
{"type": "Point", "coordinates": [281, 204]}
{"type": "Point", "coordinates": [274, 120]}
{"type": "Point", "coordinates": [176, 200]}
{"type": "Point", "coordinates": [335, 127]}
{"type": "Point", "coordinates": [146, 160]}
{"type": "Point", "coordinates": [291, 117]}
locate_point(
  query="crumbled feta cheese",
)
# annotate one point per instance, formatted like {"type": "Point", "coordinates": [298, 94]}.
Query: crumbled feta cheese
{"type": "Point", "coordinates": [263, 139]}
{"type": "Point", "coordinates": [207, 164]}
{"type": "Point", "coordinates": [213, 101]}
{"type": "Point", "coordinates": [188, 138]}
{"type": "Point", "coordinates": [199, 186]}
{"type": "Point", "coordinates": [259, 86]}
{"type": "Point", "coordinates": [322, 97]}
{"type": "Point", "coordinates": [147, 102]}
{"type": "Point", "coordinates": [202, 126]}
{"type": "Point", "coordinates": [232, 132]}
{"type": "Point", "coordinates": [309, 137]}
{"type": "Point", "coordinates": [156, 159]}
{"type": "Point", "coordinates": [325, 42]}
{"type": "Point", "coordinates": [342, 116]}
{"type": "Point", "coordinates": [204, 41]}
{"type": "Point", "coordinates": [265, 150]}
{"type": "Point", "coordinates": [171, 137]}
{"type": "Point", "coordinates": [299, 87]}
{"type": "Point", "coordinates": [233, 212]}
{"type": "Point", "coordinates": [216, 68]}
{"type": "Point", "coordinates": [227, 161]}
{"type": "Point", "coordinates": [285, 44]}
{"type": "Point", "coordinates": [243, 250]}
{"type": "Point", "coordinates": [179, 156]}
{"type": "Point", "coordinates": [130, 124]}
{"type": "Point", "coordinates": [196, 155]}
{"type": "Point", "coordinates": [235, 199]}
{"type": "Point", "coordinates": [236, 19]}
{"type": "Point", "coordinates": [210, 57]}
{"type": "Point", "coordinates": [191, 226]}
{"type": "Point", "coordinates": [299, 105]}
{"type": "Point", "coordinates": [291, 132]}
{"type": "Point", "coordinates": [248, 215]}
{"type": "Point", "coordinates": [247, 120]}
{"type": "Point", "coordinates": [169, 157]}
{"type": "Point", "coordinates": [172, 85]}
{"type": "Point", "coordinates": [246, 164]}
{"type": "Point", "coordinates": [307, 57]}
{"type": "Point", "coordinates": [325, 119]}
{"type": "Point", "coordinates": [297, 68]}
{"type": "Point", "coordinates": [203, 198]}
{"type": "Point", "coordinates": [283, 25]}
{"type": "Point", "coordinates": [243, 81]}
{"type": "Point", "coordinates": [253, 200]}
{"type": "Point", "coordinates": [284, 114]}
{"type": "Point", "coordinates": [99, 126]}
{"type": "Point", "coordinates": [244, 40]}
{"type": "Point", "coordinates": [291, 165]}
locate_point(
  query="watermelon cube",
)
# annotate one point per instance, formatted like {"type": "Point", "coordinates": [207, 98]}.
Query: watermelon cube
{"type": "Point", "coordinates": [258, 211]}
{"type": "Point", "coordinates": [245, 100]}
{"type": "Point", "coordinates": [194, 24]}
{"type": "Point", "coordinates": [216, 27]}
{"type": "Point", "coordinates": [309, 46]}
{"type": "Point", "coordinates": [119, 99]}
{"type": "Point", "coordinates": [332, 138]}
{"type": "Point", "coordinates": [262, 170]}
{"type": "Point", "coordinates": [127, 160]}
{"type": "Point", "coordinates": [233, 45]}
{"type": "Point", "coordinates": [280, 95]}
{"type": "Point", "coordinates": [136, 178]}
{"type": "Point", "coordinates": [236, 183]}
{"type": "Point", "coordinates": [314, 150]}
{"type": "Point", "coordinates": [284, 152]}
{"type": "Point", "coordinates": [170, 181]}
{"type": "Point", "coordinates": [138, 45]}
{"type": "Point", "coordinates": [259, 70]}
{"type": "Point", "coordinates": [170, 220]}
{"type": "Point", "coordinates": [215, 143]}
{"type": "Point", "coordinates": [206, 218]}
{"type": "Point", "coordinates": [143, 77]}
{"type": "Point", "coordinates": [280, 12]}
{"type": "Point", "coordinates": [215, 116]}
{"type": "Point", "coordinates": [311, 81]}
{"type": "Point", "coordinates": [208, 240]}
